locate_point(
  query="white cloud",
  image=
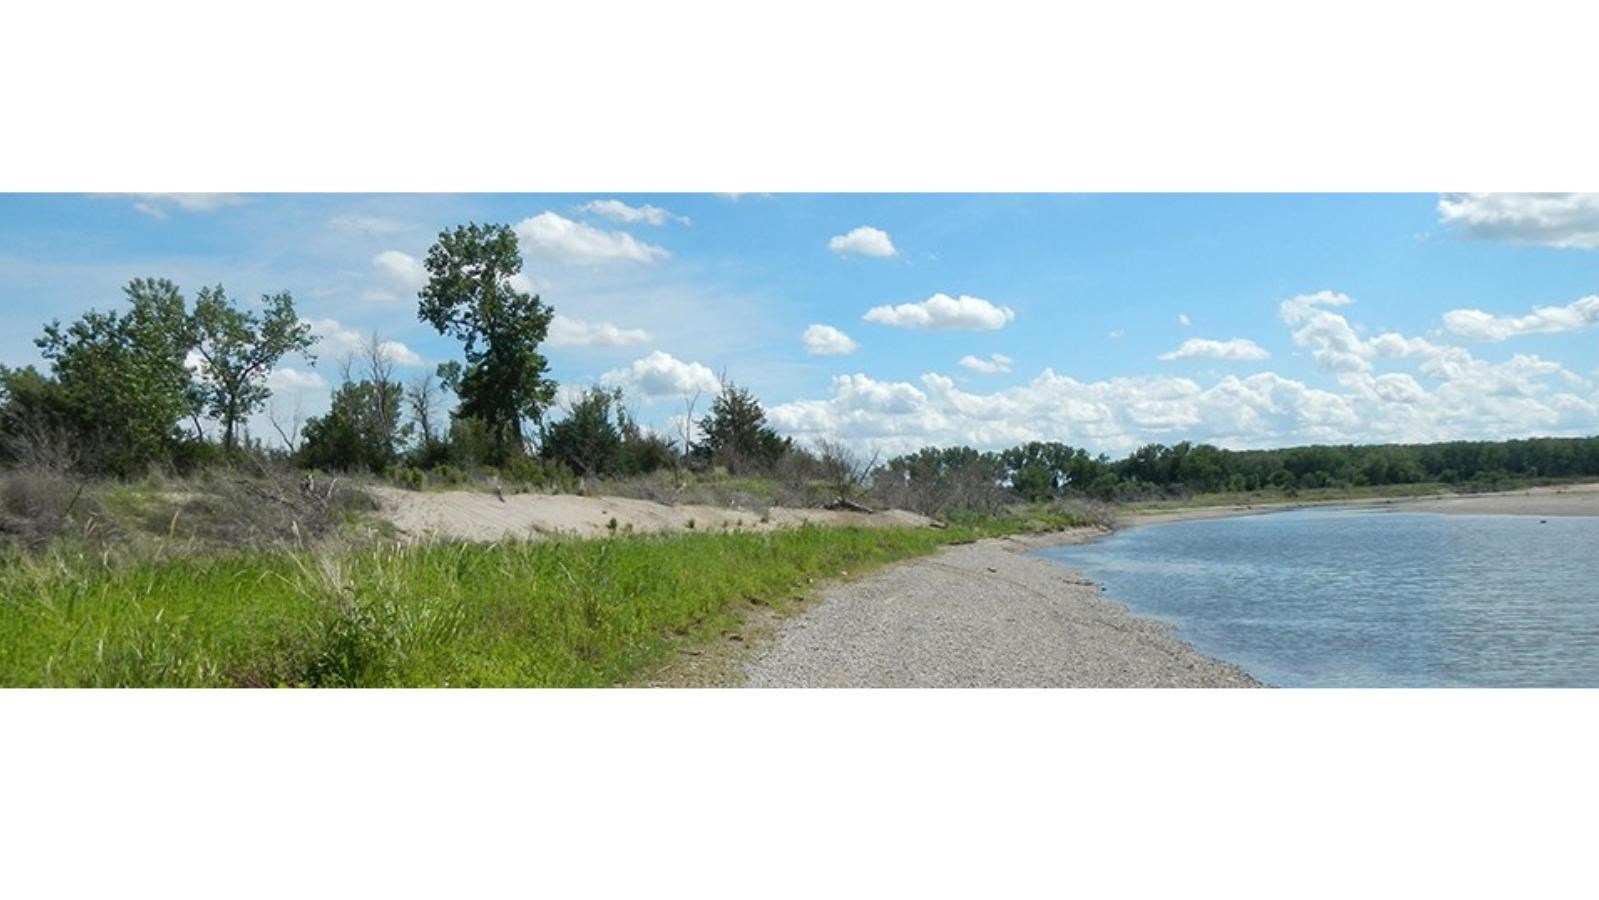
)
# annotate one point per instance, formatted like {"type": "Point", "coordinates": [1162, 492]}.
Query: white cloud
{"type": "Point", "coordinates": [825, 340]}
{"type": "Point", "coordinates": [617, 211]}
{"type": "Point", "coordinates": [569, 332]}
{"type": "Point", "coordinates": [286, 379]}
{"type": "Point", "coordinates": [941, 312]}
{"type": "Point", "coordinates": [1483, 326]}
{"type": "Point", "coordinates": [1183, 320]}
{"type": "Point", "coordinates": [1447, 394]}
{"type": "Point", "coordinates": [1115, 334]}
{"type": "Point", "coordinates": [1236, 349]}
{"type": "Point", "coordinates": [865, 240]}
{"type": "Point", "coordinates": [1550, 220]}
{"type": "Point", "coordinates": [401, 269]}
{"type": "Point", "coordinates": [370, 226]}
{"type": "Point", "coordinates": [159, 205]}
{"type": "Point", "coordinates": [337, 341]}
{"type": "Point", "coordinates": [554, 237]}
{"type": "Point", "coordinates": [993, 364]}
{"type": "Point", "coordinates": [662, 375]}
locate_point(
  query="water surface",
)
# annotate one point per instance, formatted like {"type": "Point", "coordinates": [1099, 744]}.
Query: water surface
{"type": "Point", "coordinates": [1365, 598]}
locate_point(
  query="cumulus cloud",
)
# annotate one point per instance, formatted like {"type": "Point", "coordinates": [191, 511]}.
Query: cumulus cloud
{"type": "Point", "coordinates": [555, 237]}
{"type": "Point", "coordinates": [942, 312]}
{"type": "Point", "coordinates": [401, 269]}
{"type": "Point", "coordinates": [338, 341]}
{"type": "Point", "coordinates": [662, 375]}
{"type": "Point", "coordinates": [825, 340]}
{"type": "Point", "coordinates": [1483, 326]}
{"type": "Point", "coordinates": [566, 331]}
{"type": "Point", "coordinates": [1448, 394]}
{"type": "Point", "coordinates": [865, 241]}
{"type": "Point", "coordinates": [617, 211]}
{"type": "Point", "coordinates": [368, 226]}
{"type": "Point", "coordinates": [1203, 348]}
{"type": "Point", "coordinates": [993, 364]}
{"type": "Point", "coordinates": [1550, 220]}
{"type": "Point", "coordinates": [159, 205]}
{"type": "Point", "coordinates": [288, 379]}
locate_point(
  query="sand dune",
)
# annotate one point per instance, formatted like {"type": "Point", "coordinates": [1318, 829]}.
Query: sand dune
{"type": "Point", "coordinates": [477, 516]}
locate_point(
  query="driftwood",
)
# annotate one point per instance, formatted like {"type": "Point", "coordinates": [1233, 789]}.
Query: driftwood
{"type": "Point", "coordinates": [850, 506]}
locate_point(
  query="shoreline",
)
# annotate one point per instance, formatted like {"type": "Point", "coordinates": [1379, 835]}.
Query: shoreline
{"type": "Point", "coordinates": [984, 614]}
{"type": "Point", "coordinates": [1562, 500]}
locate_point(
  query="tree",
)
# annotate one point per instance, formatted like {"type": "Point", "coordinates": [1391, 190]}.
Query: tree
{"type": "Point", "coordinates": [362, 429]}
{"type": "Point", "coordinates": [735, 433]}
{"type": "Point", "coordinates": [123, 381]}
{"type": "Point", "coordinates": [35, 424]}
{"type": "Point", "coordinates": [469, 296]}
{"type": "Point", "coordinates": [238, 350]}
{"type": "Point", "coordinates": [587, 440]}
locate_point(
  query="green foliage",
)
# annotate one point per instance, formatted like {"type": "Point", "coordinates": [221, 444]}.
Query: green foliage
{"type": "Point", "coordinates": [120, 383]}
{"type": "Point", "coordinates": [545, 614]}
{"type": "Point", "coordinates": [735, 435]}
{"type": "Point", "coordinates": [239, 350]}
{"type": "Point", "coordinates": [469, 296]}
{"type": "Point", "coordinates": [528, 473]}
{"type": "Point", "coordinates": [359, 431]}
{"type": "Point", "coordinates": [588, 439]}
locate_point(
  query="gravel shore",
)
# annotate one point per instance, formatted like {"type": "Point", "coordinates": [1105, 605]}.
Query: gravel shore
{"type": "Point", "coordinates": [979, 615]}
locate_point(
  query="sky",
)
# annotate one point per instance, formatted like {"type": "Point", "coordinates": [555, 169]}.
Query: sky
{"type": "Point", "coordinates": [896, 321]}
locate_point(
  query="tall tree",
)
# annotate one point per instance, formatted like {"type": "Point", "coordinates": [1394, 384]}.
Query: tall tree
{"type": "Point", "coordinates": [122, 378]}
{"type": "Point", "coordinates": [469, 296]}
{"type": "Point", "coordinates": [238, 350]}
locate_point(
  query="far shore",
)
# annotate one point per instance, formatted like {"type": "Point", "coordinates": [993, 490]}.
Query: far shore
{"type": "Point", "coordinates": [1557, 500]}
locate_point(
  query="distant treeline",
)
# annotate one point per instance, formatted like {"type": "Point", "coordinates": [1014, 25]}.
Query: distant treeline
{"type": "Point", "coordinates": [1038, 471]}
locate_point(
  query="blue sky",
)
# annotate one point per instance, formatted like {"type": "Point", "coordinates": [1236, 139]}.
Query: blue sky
{"type": "Point", "coordinates": [1102, 320]}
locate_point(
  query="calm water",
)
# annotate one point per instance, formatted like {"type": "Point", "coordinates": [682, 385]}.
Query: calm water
{"type": "Point", "coordinates": [1353, 598]}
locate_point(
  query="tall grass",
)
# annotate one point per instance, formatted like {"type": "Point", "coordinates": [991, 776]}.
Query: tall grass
{"type": "Point", "coordinates": [530, 614]}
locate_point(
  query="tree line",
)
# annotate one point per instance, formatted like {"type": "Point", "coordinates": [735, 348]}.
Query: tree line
{"type": "Point", "coordinates": [134, 388]}
{"type": "Point", "coordinates": [137, 387]}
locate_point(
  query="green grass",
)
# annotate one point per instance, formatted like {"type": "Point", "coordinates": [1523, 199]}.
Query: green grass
{"type": "Point", "coordinates": [565, 613]}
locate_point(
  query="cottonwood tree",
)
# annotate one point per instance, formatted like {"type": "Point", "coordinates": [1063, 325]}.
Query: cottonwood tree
{"type": "Point", "coordinates": [469, 296]}
{"type": "Point", "coordinates": [238, 350]}
{"type": "Point", "coordinates": [120, 381]}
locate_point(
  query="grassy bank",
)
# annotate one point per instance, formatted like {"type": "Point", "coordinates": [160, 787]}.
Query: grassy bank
{"type": "Point", "coordinates": [562, 613]}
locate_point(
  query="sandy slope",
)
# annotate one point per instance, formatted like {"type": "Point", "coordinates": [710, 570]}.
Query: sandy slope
{"type": "Point", "coordinates": [1575, 500]}
{"type": "Point", "coordinates": [477, 516]}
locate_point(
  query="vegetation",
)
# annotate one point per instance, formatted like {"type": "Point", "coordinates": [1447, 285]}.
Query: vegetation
{"type": "Point", "coordinates": [557, 613]}
{"type": "Point", "coordinates": [238, 350]}
{"type": "Point", "coordinates": [936, 479]}
{"type": "Point", "coordinates": [470, 295]}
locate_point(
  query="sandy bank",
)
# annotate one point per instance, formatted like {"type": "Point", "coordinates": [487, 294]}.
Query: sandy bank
{"type": "Point", "coordinates": [476, 516]}
{"type": "Point", "coordinates": [977, 615]}
{"type": "Point", "coordinates": [1566, 500]}
{"type": "Point", "coordinates": [1573, 500]}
